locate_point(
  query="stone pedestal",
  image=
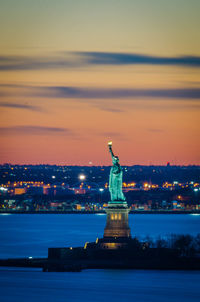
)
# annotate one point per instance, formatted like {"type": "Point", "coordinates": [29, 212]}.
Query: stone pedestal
{"type": "Point", "coordinates": [117, 220]}
{"type": "Point", "coordinates": [117, 232]}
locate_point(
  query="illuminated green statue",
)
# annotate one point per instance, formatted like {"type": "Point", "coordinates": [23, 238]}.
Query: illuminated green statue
{"type": "Point", "coordinates": [115, 180]}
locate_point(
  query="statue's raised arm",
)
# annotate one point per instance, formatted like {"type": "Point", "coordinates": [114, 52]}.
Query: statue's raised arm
{"type": "Point", "coordinates": [110, 149]}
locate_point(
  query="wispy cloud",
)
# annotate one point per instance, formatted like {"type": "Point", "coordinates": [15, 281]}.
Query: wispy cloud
{"type": "Point", "coordinates": [112, 93]}
{"type": "Point", "coordinates": [8, 63]}
{"type": "Point", "coordinates": [108, 108]}
{"type": "Point", "coordinates": [111, 58]}
{"type": "Point", "coordinates": [20, 106]}
{"type": "Point", "coordinates": [113, 100]}
{"type": "Point", "coordinates": [35, 130]}
{"type": "Point", "coordinates": [65, 60]}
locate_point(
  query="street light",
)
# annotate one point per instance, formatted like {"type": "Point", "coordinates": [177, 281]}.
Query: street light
{"type": "Point", "coordinates": [81, 177]}
{"type": "Point", "coordinates": [101, 191]}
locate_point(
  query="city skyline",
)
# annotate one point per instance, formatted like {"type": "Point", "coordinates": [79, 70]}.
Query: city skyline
{"type": "Point", "coordinates": [76, 74]}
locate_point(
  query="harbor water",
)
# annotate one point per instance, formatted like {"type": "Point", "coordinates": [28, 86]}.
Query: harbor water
{"type": "Point", "coordinates": [30, 236]}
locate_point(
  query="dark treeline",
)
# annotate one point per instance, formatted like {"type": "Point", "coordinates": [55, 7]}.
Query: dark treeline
{"type": "Point", "coordinates": [186, 244]}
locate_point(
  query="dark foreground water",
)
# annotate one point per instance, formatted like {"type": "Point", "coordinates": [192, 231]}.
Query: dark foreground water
{"type": "Point", "coordinates": [31, 235]}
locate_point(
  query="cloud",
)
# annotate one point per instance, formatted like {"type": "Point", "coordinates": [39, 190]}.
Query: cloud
{"type": "Point", "coordinates": [35, 130]}
{"type": "Point", "coordinates": [112, 93]}
{"type": "Point", "coordinates": [20, 106]}
{"type": "Point", "coordinates": [110, 109]}
{"type": "Point", "coordinates": [114, 100]}
{"type": "Point", "coordinates": [63, 60]}
{"type": "Point", "coordinates": [9, 63]}
{"type": "Point", "coordinates": [111, 58]}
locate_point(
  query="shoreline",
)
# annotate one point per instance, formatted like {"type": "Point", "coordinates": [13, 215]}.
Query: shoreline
{"type": "Point", "coordinates": [103, 212]}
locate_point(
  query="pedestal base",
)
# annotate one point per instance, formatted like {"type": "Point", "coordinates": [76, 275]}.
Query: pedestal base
{"type": "Point", "coordinates": [113, 243]}
{"type": "Point", "coordinates": [117, 230]}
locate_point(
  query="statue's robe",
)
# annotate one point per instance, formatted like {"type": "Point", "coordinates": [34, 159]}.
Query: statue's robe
{"type": "Point", "coordinates": [115, 183]}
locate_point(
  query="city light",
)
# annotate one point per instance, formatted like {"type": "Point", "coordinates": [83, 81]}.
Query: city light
{"type": "Point", "coordinates": [3, 189]}
{"type": "Point", "coordinates": [82, 177]}
{"type": "Point", "coordinates": [85, 246]}
{"type": "Point", "coordinates": [91, 186]}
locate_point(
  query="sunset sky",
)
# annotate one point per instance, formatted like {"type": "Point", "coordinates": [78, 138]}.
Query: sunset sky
{"type": "Point", "coordinates": [75, 74]}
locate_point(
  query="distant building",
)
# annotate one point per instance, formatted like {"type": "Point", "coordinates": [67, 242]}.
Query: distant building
{"type": "Point", "coordinates": [174, 204]}
{"type": "Point", "coordinates": [20, 191]}
{"type": "Point", "coordinates": [55, 205]}
{"type": "Point", "coordinates": [79, 191]}
{"type": "Point", "coordinates": [78, 207]}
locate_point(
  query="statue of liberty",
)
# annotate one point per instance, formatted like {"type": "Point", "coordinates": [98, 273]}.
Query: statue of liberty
{"type": "Point", "coordinates": [115, 179]}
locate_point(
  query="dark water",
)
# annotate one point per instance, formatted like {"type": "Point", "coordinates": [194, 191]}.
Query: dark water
{"type": "Point", "coordinates": [31, 235]}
